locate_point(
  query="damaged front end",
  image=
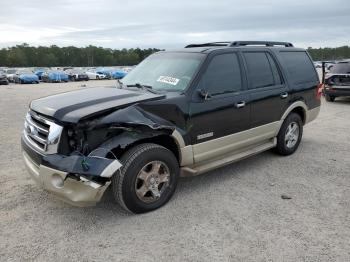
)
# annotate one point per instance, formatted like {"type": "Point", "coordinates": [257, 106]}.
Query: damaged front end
{"type": "Point", "coordinates": [88, 152]}
{"type": "Point", "coordinates": [74, 188]}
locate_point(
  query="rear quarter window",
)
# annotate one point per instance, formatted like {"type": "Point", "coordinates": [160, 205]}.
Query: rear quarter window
{"type": "Point", "coordinates": [299, 66]}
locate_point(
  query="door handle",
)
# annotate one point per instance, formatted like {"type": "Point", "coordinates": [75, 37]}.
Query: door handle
{"type": "Point", "coordinates": [284, 95]}
{"type": "Point", "coordinates": [240, 104]}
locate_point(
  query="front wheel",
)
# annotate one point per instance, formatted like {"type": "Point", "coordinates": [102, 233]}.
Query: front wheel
{"type": "Point", "coordinates": [147, 179]}
{"type": "Point", "coordinates": [290, 134]}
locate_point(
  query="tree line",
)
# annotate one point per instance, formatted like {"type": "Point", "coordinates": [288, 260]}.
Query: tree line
{"type": "Point", "coordinates": [328, 53]}
{"type": "Point", "coordinates": [29, 56]}
{"type": "Point", "coordinates": [25, 55]}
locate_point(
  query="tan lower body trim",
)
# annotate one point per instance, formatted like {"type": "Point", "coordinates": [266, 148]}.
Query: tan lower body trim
{"type": "Point", "coordinates": [227, 144]}
{"type": "Point", "coordinates": [312, 114]}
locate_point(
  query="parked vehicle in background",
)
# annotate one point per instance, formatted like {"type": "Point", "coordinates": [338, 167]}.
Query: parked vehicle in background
{"type": "Point", "coordinates": [40, 71]}
{"type": "Point", "coordinates": [186, 111]}
{"type": "Point", "coordinates": [77, 75]}
{"type": "Point", "coordinates": [318, 64]}
{"type": "Point", "coordinates": [54, 76]}
{"type": "Point", "coordinates": [10, 72]}
{"type": "Point", "coordinates": [337, 81]}
{"type": "Point", "coordinates": [105, 71]}
{"type": "Point", "coordinates": [25, 76]}
{"type": "Point", "coordinates": [95, 75]}
{"type": "Point", "coordinates": [127, 69]}
{"type": "Point", "coordinates": [3, 78]}
{"type": "Point", "coordinates": [118, 74]}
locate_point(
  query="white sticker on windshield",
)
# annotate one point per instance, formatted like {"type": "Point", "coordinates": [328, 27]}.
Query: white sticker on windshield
{"type": "Point", "coordinates": [168, 80]}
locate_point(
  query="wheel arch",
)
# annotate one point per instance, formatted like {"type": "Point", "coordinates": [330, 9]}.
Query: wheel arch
{"type": "Point", "coordinates": [298, 107]}
{"type": "Point", "coordinates": [117, 146]}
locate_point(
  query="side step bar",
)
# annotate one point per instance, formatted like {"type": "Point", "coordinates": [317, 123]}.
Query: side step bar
{"type": "Point", "coordinates": [206, 166]}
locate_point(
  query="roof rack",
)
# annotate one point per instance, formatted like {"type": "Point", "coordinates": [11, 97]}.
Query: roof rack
{"type": "Point", "coordinates": [242, 43]}
{"type": "Point", "coordinates": [209, 44]}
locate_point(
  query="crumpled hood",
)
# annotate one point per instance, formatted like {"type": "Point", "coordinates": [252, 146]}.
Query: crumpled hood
{"type": "Point", "coordinates": [71, 107]}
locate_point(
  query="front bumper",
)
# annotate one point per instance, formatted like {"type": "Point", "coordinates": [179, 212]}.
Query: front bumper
{"type": "Point", "coordinates": [78, 193]}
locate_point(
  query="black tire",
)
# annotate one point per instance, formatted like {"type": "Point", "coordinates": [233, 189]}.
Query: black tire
{"type": "Point", "coordinates": [282, 148]}
{"type": "Point", "coordinates": [329, 98]}
{"type": "Point", "coordinates": [124, 181]}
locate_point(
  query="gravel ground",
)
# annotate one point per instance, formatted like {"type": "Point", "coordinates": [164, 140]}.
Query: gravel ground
{"type": "Point", "coordinates": [235, 213]}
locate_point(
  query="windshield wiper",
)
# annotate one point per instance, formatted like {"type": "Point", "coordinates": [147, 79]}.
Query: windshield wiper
{"type": "Point", "coordinates": [140, 86]}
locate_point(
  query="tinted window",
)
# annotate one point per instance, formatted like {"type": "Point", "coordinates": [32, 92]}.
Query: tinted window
{"type": "Point", "coordinates": [299, 67]}
{"type": "Point", "coordinates": [223, 75]}
{"type": "Point", "coordinates": [259, 69]}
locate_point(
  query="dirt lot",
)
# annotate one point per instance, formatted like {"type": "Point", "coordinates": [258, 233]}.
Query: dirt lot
{"type": "Point", "coordinates": [235, 213]}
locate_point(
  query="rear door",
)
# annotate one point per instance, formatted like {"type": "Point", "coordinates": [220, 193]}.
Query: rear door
{"type": "Point", "coordinates": [226, 110]}
{"type": "Point", "coordinates": [268, 91]}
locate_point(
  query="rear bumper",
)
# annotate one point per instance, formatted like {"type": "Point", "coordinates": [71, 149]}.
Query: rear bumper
{"type": "Point", "coordinates": [78, 193]}
{"type": "Point", "coordinates": [338, 91]}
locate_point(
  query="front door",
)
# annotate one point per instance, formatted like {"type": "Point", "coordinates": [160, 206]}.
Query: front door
{"type": "Point", "coordinates": [220, 108]}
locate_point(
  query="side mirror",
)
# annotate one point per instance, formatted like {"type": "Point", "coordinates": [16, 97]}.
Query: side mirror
{"type": "Point", "coordinates": [204, 94]}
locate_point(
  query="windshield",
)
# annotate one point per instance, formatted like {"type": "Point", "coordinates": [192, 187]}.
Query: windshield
{"type": "Point", "coordinates": [165, 71]}
{"type": "Point", "coordinates": [341, 68]}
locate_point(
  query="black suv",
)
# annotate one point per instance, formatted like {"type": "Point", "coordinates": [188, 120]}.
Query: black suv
{"type": "Point", "coordinates": [180, 112]}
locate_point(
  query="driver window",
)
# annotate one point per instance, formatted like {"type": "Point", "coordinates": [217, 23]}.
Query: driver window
{"type": "Point", "coordinates": [223, 75]}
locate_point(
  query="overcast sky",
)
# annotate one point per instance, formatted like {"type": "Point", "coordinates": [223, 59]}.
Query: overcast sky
{"type": "Point", "coordinates": [170, 24]}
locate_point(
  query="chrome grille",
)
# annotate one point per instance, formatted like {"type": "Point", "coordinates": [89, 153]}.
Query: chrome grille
{"type": "Point", "coordinates": [41, 133]}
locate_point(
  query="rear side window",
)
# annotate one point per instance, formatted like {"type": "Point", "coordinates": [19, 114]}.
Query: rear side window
{"type": "Point", "coordinates": [262, 70]}
{"type": "Point", "coordinates": [299, 66]}
{"type": "Point", "coordinates": [223, 75]}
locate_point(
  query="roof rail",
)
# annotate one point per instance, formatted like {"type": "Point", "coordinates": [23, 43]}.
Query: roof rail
{"type": "Point", "coordinates": [265, 43]}
{"type": "Point", "coordinates": [241, 43]}
{"type": "Point", "coordinates": [209, 44]}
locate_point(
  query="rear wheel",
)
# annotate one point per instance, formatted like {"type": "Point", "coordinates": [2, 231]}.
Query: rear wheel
{"type": "Point", "coordinates": [329, 98]}
{"type": "Point", "coordinates": [290, 134]}
{"type": "Point", "coordinates": [147, 179]}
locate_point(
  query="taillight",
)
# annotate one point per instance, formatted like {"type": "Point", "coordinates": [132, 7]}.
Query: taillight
{"type": "Point", "coordinates": [319, 91]}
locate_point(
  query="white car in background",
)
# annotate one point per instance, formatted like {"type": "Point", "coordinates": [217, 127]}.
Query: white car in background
{"type": "Point", "coordinates": [95, 75]}
{"type": "Point", "coordinates": [10, 73]}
